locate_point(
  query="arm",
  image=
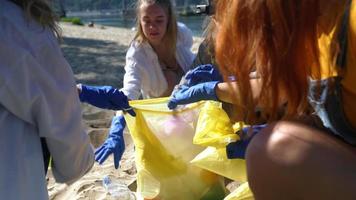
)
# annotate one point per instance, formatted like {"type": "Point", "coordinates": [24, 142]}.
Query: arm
{"type": "Point", "coordinates": [115, 143]}
{"type": "Point", "coordinates": [226, 92]}
{"type": "Point", "coordinates": [108, 97]}
{"type": "Point", "coordinates": [105, 97]}
{"type": "Point", "coordinates": [198, 84]}
{"type": "Point", "coordinates": [196, 89]}
{"type": "Point", "coordinates": [132, 77]}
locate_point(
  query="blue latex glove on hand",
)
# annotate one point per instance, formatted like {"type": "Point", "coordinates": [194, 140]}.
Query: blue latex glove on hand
{"type": "Point", "coordinates": [238, 149]}
{"type": "Point", "coordinates": [201, 74]}
{"type": "Point", "coordinates": [195, 93]}
{"type": "Point", "coordinates": [105, 97]}
{"type": "Point", "coordinates": [114, 143]}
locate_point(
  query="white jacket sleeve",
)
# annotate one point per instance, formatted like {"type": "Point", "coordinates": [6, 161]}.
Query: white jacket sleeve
{"type": "Point", "coordinates": [133, 77]}
{"type": "Point", "coordinates": [39, 88]}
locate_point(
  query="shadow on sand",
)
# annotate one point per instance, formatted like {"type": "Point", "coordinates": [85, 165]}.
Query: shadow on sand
{"type": "Point", "coordinates": [95, 62]}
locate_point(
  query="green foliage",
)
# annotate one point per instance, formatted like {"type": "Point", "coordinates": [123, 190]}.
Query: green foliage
{"type": "Point", "coordinates": [73, 20]}
{"type": "Point", "coordinates": [77, 21]}
{"type": "Point", "coordinates": [66, 19]}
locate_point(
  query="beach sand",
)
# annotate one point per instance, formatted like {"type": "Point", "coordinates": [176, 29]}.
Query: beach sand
{"type": "Point", "coordinates": [97, 57]}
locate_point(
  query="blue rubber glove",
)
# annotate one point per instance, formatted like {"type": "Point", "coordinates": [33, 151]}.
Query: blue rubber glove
{"type": "Point", "coordinates": [114, 143]}
{"type": "Point", "coordinates": [105, 97]}
{"type": "Point", "coordinates": [238, 149]}
{"type": "Point", "coordinates": [201, 74]}
{"type": "Point", "coordinates": [195, 93]}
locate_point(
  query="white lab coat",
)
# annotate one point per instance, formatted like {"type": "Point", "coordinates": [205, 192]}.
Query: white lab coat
{"type": "Point", "coordinates": [143, 73]}
{"type": "Point", "coordinates": [38, 98]}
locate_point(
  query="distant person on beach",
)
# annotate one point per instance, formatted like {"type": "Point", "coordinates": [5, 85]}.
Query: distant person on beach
{"type": "Point", "coordinates": [38, 100]}
{"type": "Point", "coordinates": [157, 58]}
{"type": "Point", "coordinates": [304, 56]}
{"type": "Point", "coordinates": [206, 50]}
{"type": "Point", "coordinates": [91, 24]}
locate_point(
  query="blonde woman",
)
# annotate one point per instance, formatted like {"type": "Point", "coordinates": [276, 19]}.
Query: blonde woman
{"type": "Point", "coordinates": [157, 58]}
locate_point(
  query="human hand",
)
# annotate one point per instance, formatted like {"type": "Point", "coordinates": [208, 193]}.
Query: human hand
{"type": "Point", "coordinates": [105, 97]}
{"type": "Point", "coordinates": [114, 143]}
{"type": "Point", "coordinates": [201, 74]}
{"type": "Point", "coordinates": [195, 93]}
{"type": "Point", "coordinates": [248, 132]}
{"type": "Point", "coordinates": [238, 149]}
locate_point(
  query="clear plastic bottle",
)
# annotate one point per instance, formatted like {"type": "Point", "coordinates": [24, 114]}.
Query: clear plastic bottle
{"type": "Point", "coordinates": [118, 190]}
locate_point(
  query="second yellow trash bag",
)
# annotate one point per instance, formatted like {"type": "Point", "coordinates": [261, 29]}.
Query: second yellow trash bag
{"type": "Point", "coordinates": [215, 160]}
{"type": "Point", "coordinates": [164, 149]}
{"type": "Point", "coordinates": [215, 133]}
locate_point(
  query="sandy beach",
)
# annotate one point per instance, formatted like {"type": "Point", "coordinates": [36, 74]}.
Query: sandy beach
{"type": "Point", "coordinates": [97, 57]}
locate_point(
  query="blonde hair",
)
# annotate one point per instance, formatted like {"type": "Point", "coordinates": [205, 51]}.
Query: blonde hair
{"type": "Point", "coordinates": [41, 12]}
{"type": "Point", "coordinates": [170, 38]}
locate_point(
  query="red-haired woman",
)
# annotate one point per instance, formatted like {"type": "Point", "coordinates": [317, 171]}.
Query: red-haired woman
{"type": "Point", "coordinates": [304, 54]}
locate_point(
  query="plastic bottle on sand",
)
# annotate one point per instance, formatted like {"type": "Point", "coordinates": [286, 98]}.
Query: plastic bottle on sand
{"type": "Point", "coordinates": [118, 190]}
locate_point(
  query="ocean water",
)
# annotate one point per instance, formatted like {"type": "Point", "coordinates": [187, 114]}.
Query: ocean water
{"type": "Point", "coordinates": [195, 23]}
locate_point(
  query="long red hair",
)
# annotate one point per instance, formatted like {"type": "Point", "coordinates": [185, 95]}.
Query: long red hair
{"type": "Point", "coordinates": [276, 38]}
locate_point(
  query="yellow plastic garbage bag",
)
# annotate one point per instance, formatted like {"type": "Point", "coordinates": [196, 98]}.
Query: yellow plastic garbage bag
{"type": "Point", "coordinates": [215, 160]}
{"type": "Point", "coordinates": [243, 192]}
{"type": "Point", "coordinates": [214, 127]}
{"type": "Point", "coordinates": [217, 132]}
{"type": "Point", "coordinates": [163, 151]}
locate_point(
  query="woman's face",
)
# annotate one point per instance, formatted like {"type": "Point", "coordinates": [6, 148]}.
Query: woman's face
{"type": "Point", "coordinates": [153, 19]}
